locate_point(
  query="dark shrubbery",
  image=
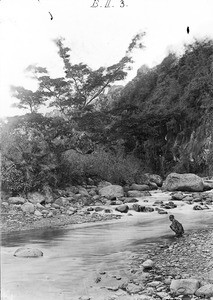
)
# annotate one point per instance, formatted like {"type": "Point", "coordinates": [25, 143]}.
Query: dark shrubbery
{"type": "Point", "coordinates": [115, 168]}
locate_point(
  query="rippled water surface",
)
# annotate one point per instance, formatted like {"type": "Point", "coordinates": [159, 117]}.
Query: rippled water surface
{"type": "Point", "coordinates": [74, 256]}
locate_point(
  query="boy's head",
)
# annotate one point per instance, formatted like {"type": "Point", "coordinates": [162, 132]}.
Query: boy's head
{"type": "Point", "coordinates": [171, 217]}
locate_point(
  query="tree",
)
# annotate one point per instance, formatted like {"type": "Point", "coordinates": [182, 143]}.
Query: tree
{"type": "Point", "coordinates": [27, 99]}
{"type": "Point", "coordinates": [81, 86]}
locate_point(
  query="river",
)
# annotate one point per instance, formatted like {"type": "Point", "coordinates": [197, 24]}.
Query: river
{"type": "Point", "coordinates": [74, 256]}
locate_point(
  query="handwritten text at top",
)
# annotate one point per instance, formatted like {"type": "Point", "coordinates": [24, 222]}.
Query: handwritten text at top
{"type": "Point", "coordinates": [108, 3]}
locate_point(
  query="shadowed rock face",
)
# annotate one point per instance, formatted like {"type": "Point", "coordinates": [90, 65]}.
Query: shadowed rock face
{"type": "Point", "coordinates": [183, 182]}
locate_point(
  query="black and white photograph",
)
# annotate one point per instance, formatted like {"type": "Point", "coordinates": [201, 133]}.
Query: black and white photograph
{"type": "Point", "coordinates": [106, 124]}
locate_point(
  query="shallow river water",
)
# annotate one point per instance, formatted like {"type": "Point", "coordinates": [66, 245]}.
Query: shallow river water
{"type": "Point", "coordinates": [74, 256]}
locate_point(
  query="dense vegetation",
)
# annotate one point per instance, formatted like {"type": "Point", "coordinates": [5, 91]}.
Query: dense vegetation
{"type": "Point", "coordinates": [166, 112]}
{"type": "Point", "coordinates": [159, 122]}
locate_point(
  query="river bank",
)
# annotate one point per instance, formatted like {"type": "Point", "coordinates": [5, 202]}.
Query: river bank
{"type": "Point", "coordinates": [65, 213]}
{"type": "Point", "coordinates": [15, 221]}
{"type": "Point", "coordinates": [188, 259]}
{"type": "Point", "coordinates": [173, 259]}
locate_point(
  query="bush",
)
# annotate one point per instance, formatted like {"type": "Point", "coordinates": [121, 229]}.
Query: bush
{"type": "Point", "coordinates": [114, 168]}
{"type": "Point", "coordinates": [12, 179]}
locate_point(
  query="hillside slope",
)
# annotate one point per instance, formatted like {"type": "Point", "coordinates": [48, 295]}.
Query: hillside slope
{"type": "Point", "coordinates": [164, 115]}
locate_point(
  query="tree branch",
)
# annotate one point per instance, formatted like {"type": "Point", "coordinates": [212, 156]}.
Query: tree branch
{"type": "Point", "coordinates": [101, 90]}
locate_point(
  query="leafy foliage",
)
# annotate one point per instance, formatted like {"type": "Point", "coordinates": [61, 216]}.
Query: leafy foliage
{"type": "Point", "coordinates": [160, 121]}
{"type": "Point", "coordinates": [163, 111]}
{"type": "Point", "coordinates": [28, 99]}
{"type": "Point", "coordinates": [106, 165]}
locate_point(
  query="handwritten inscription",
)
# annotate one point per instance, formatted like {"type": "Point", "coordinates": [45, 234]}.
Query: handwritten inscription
{"type": "Point", "coordinates": [108, 3]}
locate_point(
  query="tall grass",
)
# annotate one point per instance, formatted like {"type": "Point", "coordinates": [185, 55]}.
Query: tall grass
{"type": "Point", "coordinates": [115, 168]}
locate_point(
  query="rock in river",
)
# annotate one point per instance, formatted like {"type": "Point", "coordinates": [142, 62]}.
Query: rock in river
{"type": "Point", "coordinates": [111, 191]}
{"type": "Point", "coordinates": [28, 252]}
{"type": "Point", "coordinates": [178, 196]}
{"type": "Point", "coordinates": [197, 207]}
{"type": "Point", "coordinates": [122, 208]}
{"type": "Point", "coordinates": [183, 182]}
{"type": "Point", "coordinates": [148, 264]}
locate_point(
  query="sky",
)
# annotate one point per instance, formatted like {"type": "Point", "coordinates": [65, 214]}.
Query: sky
{"type": "Point", "coordinates": [97, 36]}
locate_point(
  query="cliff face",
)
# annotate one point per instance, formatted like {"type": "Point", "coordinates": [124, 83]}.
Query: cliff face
{"type": "Point", "coordinates": [166, 114]}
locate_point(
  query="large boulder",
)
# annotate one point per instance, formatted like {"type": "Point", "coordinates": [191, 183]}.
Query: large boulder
{"type": "Point", "coordinates": [28, 208]}
{"type": "Point", "coordinates": [183, 182]}
{"type": "Point", "coordinates": [138, 194]}
{"type": "Point", "coordinates": [111, 191]}
{"type": "Point", "coordinates": [35, 197]}
{"type": "Point", "coordinates": [184, 286]}
{"type": "Point", "coordinates": [16, 200]}
{"type": "Point", "coordinates": [28, 252]}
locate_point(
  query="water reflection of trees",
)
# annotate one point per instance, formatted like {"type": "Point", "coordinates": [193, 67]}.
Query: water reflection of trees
{"type": "Point", "coordinates": [14, 239]}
